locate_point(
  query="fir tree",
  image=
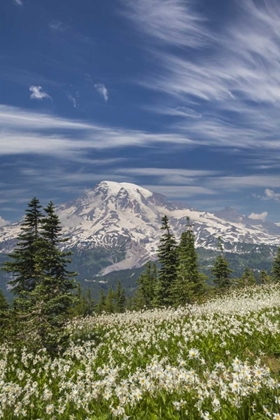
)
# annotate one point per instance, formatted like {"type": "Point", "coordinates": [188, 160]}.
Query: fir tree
{"type": "Point", "coordinates": [22, 266]}
{"type": "Point", "coordinates": [189, 283]}
{"type": "Point", "coordinates": [53, 296]}
{"type": "Point", "coordinates": [221, 271]}
{"type": "Point", "coordinates": [167, 256]}
{"type": "Point", "coordinates": [109, 301]}
{"type": "Point", "coordinates": [145, 295]}
{"type": "Point", "coordinates": [247, 278]}
{"type": "Point", "coordinates": [120, 298]}
{"type": "Point", "coordinates": [276, 267]}
{"type": "Point", "coordinates": [264, 277]}
{"type": "Point", "coordinates": [101, 304]}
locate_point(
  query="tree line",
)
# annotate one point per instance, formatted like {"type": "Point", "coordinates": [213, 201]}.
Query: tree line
{"type": "Point", "coordinates": [47, 295]}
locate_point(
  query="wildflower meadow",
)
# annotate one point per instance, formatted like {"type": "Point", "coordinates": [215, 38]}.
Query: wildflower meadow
{"type": "Point", "coordinates": [217, 360]}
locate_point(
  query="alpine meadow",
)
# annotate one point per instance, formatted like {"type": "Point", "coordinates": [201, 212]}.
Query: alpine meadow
{"type": "Point", "coordinates": [139, 210]}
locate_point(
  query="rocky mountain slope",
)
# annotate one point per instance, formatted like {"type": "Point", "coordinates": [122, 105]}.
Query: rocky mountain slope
{"type": "Point", "coordinates": [124, 221]}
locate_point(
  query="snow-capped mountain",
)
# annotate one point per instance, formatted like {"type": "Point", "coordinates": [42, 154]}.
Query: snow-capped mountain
{"type": "Point", "coordinates": [128, 217]}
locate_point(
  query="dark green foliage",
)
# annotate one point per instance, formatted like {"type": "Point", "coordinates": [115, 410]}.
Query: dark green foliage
{"type": "Point", "coordinates": [247, 278]}
{"type": "Point", "coordinates": [23, 266]}
{"type": "Point", "coordinates": [221, 271]}
{"type": "Point", "coordinates": [101, 304]}
{"type": "Point", "coordinates": [276, 267]}
{"type": "Point", "coordinates": [120, 298]}
{"type": "Point", "coordinates": [42, 284]}
{"type": "Point", "coordinates": [264, 277]}
{"type": "Point", "coordinates": [189, 283]}
{"type": "Point", "coordinates": [53, 297]}
{"type": "Point", "coordinates": [110, 302]}
{"type": "Point", "coordinates": [168, 259]}
{"type": "Point", "coordinates": [146, 291]}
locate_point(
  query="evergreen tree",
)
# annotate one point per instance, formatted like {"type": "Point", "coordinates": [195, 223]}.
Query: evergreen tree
{"type": "Point", "coordinates": [53, 296]}
{"type": "Point", "coordinates": [146, 290]}
{"type": "Point", "coordinates": [264, 277]}
{"type": "Point", "coordinates": [276, 267]}
{"type": "Point", "coordinates": [101, 304]}
{"type": "Point", "coordinates": [4, 317]}
{"type": "Point", "coordinates": [189, 283]}
{"type": "Point", "coordinates": [109, 301]}
{"type": "Point", "coordinates": [120, 298]}
{"type": "Point", "coordinates": [221, 271]}
{"type": "Point", "coordinates": [22, 266]}
{"type": "Point", "coordinates": [247, 278]}
{"type": "Point", "coordinates": [168, 259]}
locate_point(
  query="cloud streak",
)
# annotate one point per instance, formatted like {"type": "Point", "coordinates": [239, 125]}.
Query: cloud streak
{"type": "Point", "coordinates": [227, 92]}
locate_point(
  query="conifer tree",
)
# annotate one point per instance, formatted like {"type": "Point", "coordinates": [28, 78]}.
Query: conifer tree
{"type": "Point", "coordinates": [145, 295]}
{"type": "Point", "coordinates": [247, 278]}
{"type": "Point", "coordinates": [189, 283]}
{"type": "Point", "coordinates": [264, 277]}
{"type": "Point", "coordinates": [22, 266]}
{"type": "Point", "coordinates": [276, 267]}
{"type": "Point", "coordinates": [101, 304]}
{"type": "Point", "coordinates": [53, 297]}
{"type": "Point", "coordinates": [221, 271]}
{"type": "Point", "coordinates": [109, 301]}
{"type": "Point", "coordinates": [120, 298]}
{"type": "Point", "coordinates": [168, 259]}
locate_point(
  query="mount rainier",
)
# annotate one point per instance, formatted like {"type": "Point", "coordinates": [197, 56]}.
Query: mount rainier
{"type": "Point", "coordinates": [123, 221]}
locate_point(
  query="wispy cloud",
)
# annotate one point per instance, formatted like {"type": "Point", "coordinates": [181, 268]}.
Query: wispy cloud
{"type": "Point", "coordinates": [57, 26]}
{"type": "Point", "coordinates": [18, 2]}
{"type": "Point", "coordinates": [102, 90]}
{"type": "Point", "coordinates": [168, 21]}
{"type": "Point", "coordinates": [38, 93]}
{"type": "Point", "coordinates": [227, 91]}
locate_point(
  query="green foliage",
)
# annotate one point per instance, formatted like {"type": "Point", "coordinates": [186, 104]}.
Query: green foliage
{"type": "Point", "coordinates": [276, 267]}
{"type": "Point", "coordinates": [168, 259]}
{"type": "Point", "coordinates": [145, 296]}
{"type": "Point", "coordinates": [23, 265]}
{"type": "Point", "coordinates": [42, 284]}
{"type": "Point", "coordinates": [247, 278]}
{"type": "Point", "coordinates": [221, 271]}
{"type": "Point", "coordinates": [189, 283]}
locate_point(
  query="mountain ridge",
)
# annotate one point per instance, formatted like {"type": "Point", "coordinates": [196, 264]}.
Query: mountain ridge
{"type": "Point", "coordinates": [127, 217]}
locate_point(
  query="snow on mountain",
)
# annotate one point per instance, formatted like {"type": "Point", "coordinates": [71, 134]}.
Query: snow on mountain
{"type": "Point", "coordinates": [123, 215]}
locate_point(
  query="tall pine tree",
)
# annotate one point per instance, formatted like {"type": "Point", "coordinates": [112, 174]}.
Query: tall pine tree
{"type": "Point", "coordinates": [276, 267]}
{"type": "Point", "coordinates": [23, 266]}
{"type": "Point", "coordinates": [189, 284]}
{"type": "Point", "coordinates": [168, 259]}
{"type": "Point", "coordinates": [221, 271]}
{"type": "Point", "coordinates": [146, 290]}
{"type": "Point", "coordinates": [53, 297]}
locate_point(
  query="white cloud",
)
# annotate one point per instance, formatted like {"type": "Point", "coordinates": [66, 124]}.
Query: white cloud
{"type": "Point", "coordinates": [261, 216]}
{"type": "Point", "coordinates": [18, 2]}
{"type": "Point", "coordinates": [234, 86]}
{"type": "Point", "coordinates": [165, 21]}
{"type": "Point", "coordinates": [37, 93]}
{"type": "Point", "coordinates": [102, 90]}
{"type": "Point", "coordinates": [271, 195]}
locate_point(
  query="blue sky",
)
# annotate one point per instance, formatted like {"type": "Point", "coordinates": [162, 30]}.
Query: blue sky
{"type": "Point", "coordinates": [179, 96]}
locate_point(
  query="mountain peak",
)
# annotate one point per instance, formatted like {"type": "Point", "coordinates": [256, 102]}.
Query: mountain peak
{"type": "Point", "coordinates": [115, 188]}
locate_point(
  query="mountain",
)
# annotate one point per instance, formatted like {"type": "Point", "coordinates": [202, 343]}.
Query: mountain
{"type": "Point", "coordinates": [116, 226]}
